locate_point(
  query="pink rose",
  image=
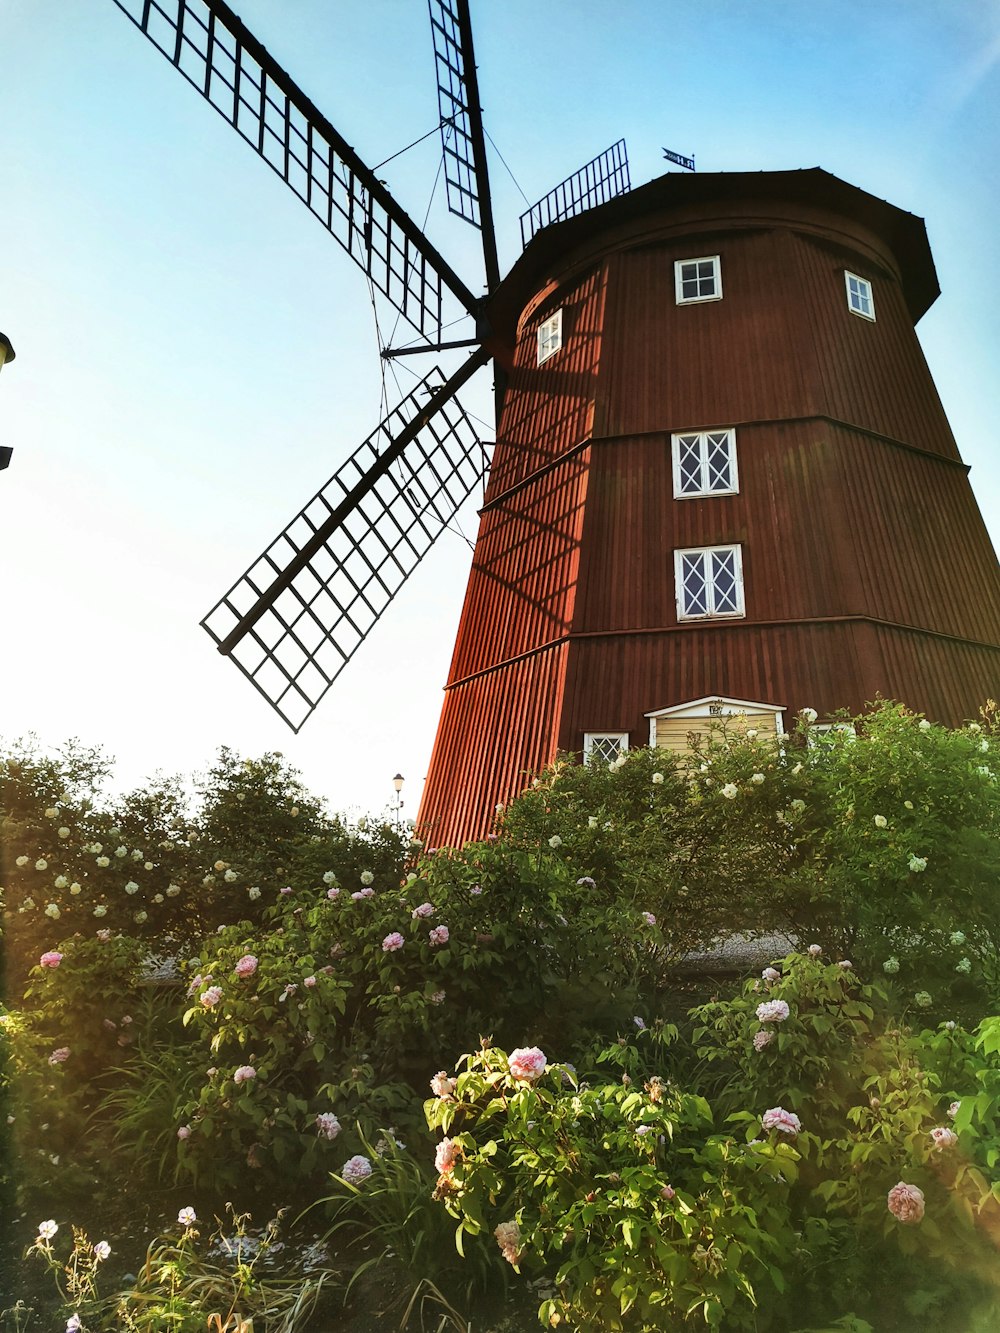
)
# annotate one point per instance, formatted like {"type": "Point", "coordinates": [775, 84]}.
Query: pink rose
{"type": "Point", "coordinates": [60, 1054]}
{"type": "Point", "coordinates": [425, 909]}
{"type": "Point", "coordinates": [285, 891]}
{"type": "Point", "coordinates": [212, 996]}
{"type": "Point", "coordinates": [814, 950]}
{"type": "Point", "coordinates": [333, 893]}
{"type": "Point", "coordinates": [763, 1038]}
{"type": "Point", "coordinates": [649, 918]}
{"type": "Point", "coordinates": [442, 1085]}
{"type": "Point", "coordinates": [953, 1109]}
{"type": "Point", "coordinates": [771, 974]}
{"type": "Point", "coordinates": [356, 1169]}
{"type": "Point", "coordinates": [944, 1138]}
{"type": "Point", "coordinates": [772, 1011]}
{"type": "Point", "coordinates": [327, 1125]}
{"type": "Point", "coordinates": [50, 959]}
{"type": "Point", "coordinates": [447, 1154]}
{"type": "Point", "coordinates": [309, 981]}
{"type": "Point", "coordinates": [906, 1203]}
{"type": "Point", "coordinates": [184, 1132]}
{"type": "Point", "coordinates": [439, 935]}
{"type": "Point", "coordinates": [245, 1074]}
{"type": "Point", "coordinates": [104, 935]}
{"type": "Point", "coordinates": [668, 1192]}
{"type": "Point", "coordinates": [785, 1122]}
{"type": "Point", "coordinates": [247, 966]}
{"type": "Point", "coordinates": [392, 942]}
{"type": "Point", "coordinates": [527, 1063]}
{"type": "Point", "coordinates": [845, 965]}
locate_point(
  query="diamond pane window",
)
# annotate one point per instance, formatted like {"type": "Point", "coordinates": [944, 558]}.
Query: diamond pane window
{"type": "Point", "coordinates": [698, 279]}
{"type": "Point", "coordinates": [549, 337]}
{"type": "Point", "coordinates": [709, 582]}
{"type": "Point", "coordinates": [704, 463]}
{"type": "Point", "coordinates": [859, 296]}
{"type": "Point", "coordinates": [603, 747]}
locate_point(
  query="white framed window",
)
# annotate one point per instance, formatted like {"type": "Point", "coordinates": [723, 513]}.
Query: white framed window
{"type": "Point", "coordinates": [704, 463]}
{"type": "Point", "coordinates": [698, 279]}
{"type": "Point", "coordinates": [709, 582]}
{"type": "Point", "coordinates": [603, 747]}
{"type": "Point", "coordinates": [860, 300]}
{"type": "Point", "coordinates": [549, 337]}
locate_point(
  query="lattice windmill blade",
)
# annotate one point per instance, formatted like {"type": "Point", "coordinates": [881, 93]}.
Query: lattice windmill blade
{"type": "Point", "coordinates": [604, 177]}
{"type": "Point", "coordinates": [463, 143]}
{"type": "Point", "coordinates": [294, 620]}
{"type": "Point", "coordinates": [219, 56]}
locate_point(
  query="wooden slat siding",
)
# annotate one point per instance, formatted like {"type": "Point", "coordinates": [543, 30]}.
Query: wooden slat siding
{"type": "Point", "coordinates": [549, 408]}
{"type": "Point", "coordinates": [672, 732]}
{"type": "Point", "coordinates": [523, 583]}
{"type": "Point", "coordinates": [495, 731]}
{"type": "Point", "coordinates": [781, 342]}
{"type": "Point", "coordinates": [824, 666]}
{"type": "Point", "coordinates": [866, 528]}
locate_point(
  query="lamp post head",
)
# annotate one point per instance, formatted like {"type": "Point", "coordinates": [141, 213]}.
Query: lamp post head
{"type": "Point", "coordinates": [6, 350]}
{"type": "Point", "coordinates": [397, 782]}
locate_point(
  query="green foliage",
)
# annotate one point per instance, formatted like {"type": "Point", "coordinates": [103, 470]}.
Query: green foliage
{"type": "Point", "coordinates": [764, 1205]}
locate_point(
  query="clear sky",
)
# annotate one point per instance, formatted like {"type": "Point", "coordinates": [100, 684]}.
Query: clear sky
{"type": "Point", "coordinates": [196, 356]}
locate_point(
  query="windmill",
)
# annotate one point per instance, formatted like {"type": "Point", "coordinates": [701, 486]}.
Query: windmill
{"type": "Point", "coordinates": [296, 617]}
{"type": "Point", "coordinates": [723, 483]}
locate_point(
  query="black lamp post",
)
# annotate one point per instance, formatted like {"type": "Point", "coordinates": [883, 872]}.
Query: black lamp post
{"type": "Point", "coordinates": [397, 783]}
{"type": "Point", "coordinates": [6, 354]}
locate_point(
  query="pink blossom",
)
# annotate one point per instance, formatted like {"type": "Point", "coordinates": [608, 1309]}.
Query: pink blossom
{"type": "Point", "coordinates": [668, 1192]}
{"type": "Point", "coordinates": [247, 966]}
{"type": "Point", "coordinates": [906, 1203]}
{"type": "Point", "coordinates": [447, 1154]}
{"type": "Point", "coordinates": [327, 1125]}
{"type": "Point", "coordinates": [285, 891]}
{"type": "Point", "coordinates": [649, 918]}
{"type": "Point", "coordinates": [212, 996]}
{"type": "Point", "coordinates": [356, 1169]}
{"type": "Point", "coordinates": [439, 935]}
{"type": "Point", "coordinates": [104, 935]}
{"type": "Point", "coordinates": [953, 1109]}
{"type": "Point", "coordinates": [187, 1217]}
{"type": "Point", "coordinates": [783, 1121]}
{"type": "Point", "coordinates": [763, 1038]}
{"type": "Point", "coordinates": [772, 1011]}
{"type": "Point", "coordinates": [392, 942]}
{"type": "Point", "coordinates": [442, 1085]}
{"type": "Point", "coordinates": [815, 950]}
{"type": "Point", "coordinates": [110, 1024]}
{"type": "Point", "coordinates": [362, 894]}
{"type": "Point", "coordinates": [333, 892]}
{"type": "Point", "coordinates": [60, 1054]}
{"type": "Point", "coordinates": [944, 1138]}
{"type": "Point", "coordinates": [309, 981]}
{"type": "Point", "coordinates": [845, 964]}
{"type": "Point", "coordinates": [244, 1074]}
{"type": "Point", "coordinates": [771, 974]}
{"type": "Point", "coordinates": [527, 1063]}
{"type": "Point", "coordinates": [50, 959]}
{"type": "Point", "coordinates": [184, 1132]}
{"type": "Point", "coordinates": [476, 890]}
{"type": "Point", "coordinates": [425, 909]}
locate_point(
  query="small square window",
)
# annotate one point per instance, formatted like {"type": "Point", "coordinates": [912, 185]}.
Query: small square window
{"type": "Point", "coordinates": [859, 296]}
{"type": "Point", "coordinates": [603, 747]}
{"type": "Point", "coordinates": [709, 582]}
{"type": "Point", "coordinates": [698, 279]}
{"type": "Point", "coordinates": [704, 463]}
{"type": "Point", "coordinates": [549, 337]}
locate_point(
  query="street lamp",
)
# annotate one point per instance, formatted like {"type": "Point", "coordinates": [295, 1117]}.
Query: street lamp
{"type": "Point", "coordinates": [397, 783]}
{"type": "Point", "coordinates": [6, 354]}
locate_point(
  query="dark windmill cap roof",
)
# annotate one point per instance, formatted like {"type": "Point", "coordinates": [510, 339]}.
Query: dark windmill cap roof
{"type": "Point", "coordinates": [705, 197]}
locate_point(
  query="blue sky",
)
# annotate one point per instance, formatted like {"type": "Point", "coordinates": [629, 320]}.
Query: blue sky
{"type": "Point", "coordinates": [195, 356]}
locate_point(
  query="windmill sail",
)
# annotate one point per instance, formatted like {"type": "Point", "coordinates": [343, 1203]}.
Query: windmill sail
{"type": "Point", "coordinates": [462, 141]}
{"type": "Point", "coordinates": [293, 621]}
{"type": "Point", "coordinates": [604, 177]}
{"type": "Point", "coordinates": [220, 57]}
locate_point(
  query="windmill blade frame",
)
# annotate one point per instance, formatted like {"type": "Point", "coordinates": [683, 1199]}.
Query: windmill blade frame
{"type": "Point", "coordinates": [217, 54]}
{"type": "Point", "coordinates": [463, 142]}
{"type": "Point", "coordinates": [295, 618]}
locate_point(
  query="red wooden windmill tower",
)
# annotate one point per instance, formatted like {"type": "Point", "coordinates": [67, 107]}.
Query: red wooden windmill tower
{"type": "Point", "coordinates": [722, 482]}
